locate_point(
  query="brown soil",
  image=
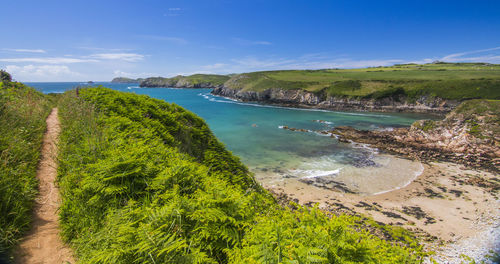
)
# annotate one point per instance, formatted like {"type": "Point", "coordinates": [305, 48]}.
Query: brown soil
{"type": "Point", "coordinates": [43, 243]}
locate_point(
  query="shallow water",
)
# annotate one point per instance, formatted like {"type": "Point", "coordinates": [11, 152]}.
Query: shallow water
{"type": "Point", "coordinates": [252, 132]}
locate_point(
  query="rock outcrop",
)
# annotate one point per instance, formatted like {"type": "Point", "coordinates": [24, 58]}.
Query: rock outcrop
{"type": "Point", "coordinates": [469, 135]}
{"type": "Point", "coordinates": [305, 99]}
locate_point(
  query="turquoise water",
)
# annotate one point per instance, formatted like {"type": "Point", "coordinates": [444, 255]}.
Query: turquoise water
{"type": "Point", "coordinates": [252, 132]}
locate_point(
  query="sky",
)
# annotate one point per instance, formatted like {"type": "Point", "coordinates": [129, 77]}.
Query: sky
{"type": "Point", "coordinates": [97, 40]}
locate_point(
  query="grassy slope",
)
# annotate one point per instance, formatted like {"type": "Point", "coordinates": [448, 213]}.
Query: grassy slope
{"type": "Point", "coordinates": [191, 79]}
{"type": "Point", "coordinates": [23, 111]}
{"type": "Point", "coordinates": [144, 181]}
{"type": "Point", "coordinates": [450, 81]}
{"type": "Point", "coordinates": [125, 80]}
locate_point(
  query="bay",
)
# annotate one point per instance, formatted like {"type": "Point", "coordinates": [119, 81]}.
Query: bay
{"type": "Point", "coordinates": [253, 132]}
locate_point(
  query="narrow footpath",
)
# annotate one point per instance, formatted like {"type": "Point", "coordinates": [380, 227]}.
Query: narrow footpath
{"type": "Point", "coordinates": [43, 243]}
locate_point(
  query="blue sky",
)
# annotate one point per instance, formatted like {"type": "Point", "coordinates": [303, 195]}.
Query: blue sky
{"type": "Point", "coordinates": [98, 40]}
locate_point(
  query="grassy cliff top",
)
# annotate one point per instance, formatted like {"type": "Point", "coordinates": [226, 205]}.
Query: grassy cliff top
{"type": "Point", "coordinates": [194, 79]}
{"type": "Point", "coordinates": [126, 80]}
{"type": "Point", "coordinates": [446, 80]}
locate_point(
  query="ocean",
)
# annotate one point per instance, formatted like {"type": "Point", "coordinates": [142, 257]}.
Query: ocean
{"type": "Point", "coordinates": [254, 132]}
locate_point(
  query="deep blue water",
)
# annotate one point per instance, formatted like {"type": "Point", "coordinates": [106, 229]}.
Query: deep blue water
{"type": "Point", "coordinates": [252, 132]}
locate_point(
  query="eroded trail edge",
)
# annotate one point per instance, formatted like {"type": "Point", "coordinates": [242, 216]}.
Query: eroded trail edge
{"type": "Point", "coordinates": [43, 243]}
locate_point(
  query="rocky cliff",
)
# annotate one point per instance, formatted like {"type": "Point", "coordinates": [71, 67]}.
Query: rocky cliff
{"type": "Point", "coordinates": [469, 135]}
{"type": "Point", "coordinates": [305, 99]}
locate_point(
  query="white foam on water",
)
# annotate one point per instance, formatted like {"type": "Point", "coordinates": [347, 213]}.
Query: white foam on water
{"type": "Point", "coordinates": [417, 173]}
{"type": "Point", "coordinates": [323, 122]}
{"type": "Point", "coordinates": [317, 173]}
{"type": "Point", "coordinates": [363, 146]}
{"type": "Point", "coordinates": [234, 101]}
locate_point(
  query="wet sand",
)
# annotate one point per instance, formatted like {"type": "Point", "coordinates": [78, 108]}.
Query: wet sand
{"type": "Point", "coordinates": [446, 205]}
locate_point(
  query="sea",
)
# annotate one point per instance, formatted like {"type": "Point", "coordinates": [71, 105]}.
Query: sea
{"type": "Point", "coordinates": [254, 132]}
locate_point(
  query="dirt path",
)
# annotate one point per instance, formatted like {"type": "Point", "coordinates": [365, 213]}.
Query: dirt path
{"type": "Point", "coordinates": [43, 244]}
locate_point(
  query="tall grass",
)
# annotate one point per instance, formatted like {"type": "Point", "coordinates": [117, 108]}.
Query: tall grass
{"type": "Point", "coordinates": [23, 111]}
{"type": "Point", "coordinates": [144, 181]}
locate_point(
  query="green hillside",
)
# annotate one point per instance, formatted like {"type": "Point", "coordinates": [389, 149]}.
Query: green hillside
{"type": "Point", "coordinates": [191, 81]}
{"type": "Point", "coordinates": [126, 80]}
{"type": "Point", "coordinates": [22, 123]}
{"type": "Point", "coordinates": [445, 80]}
{"type": "Point", "coordinates": [145, 181]}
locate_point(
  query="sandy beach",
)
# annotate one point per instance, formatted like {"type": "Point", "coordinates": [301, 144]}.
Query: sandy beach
{"type": "Point", "coordinates": [453, 209]}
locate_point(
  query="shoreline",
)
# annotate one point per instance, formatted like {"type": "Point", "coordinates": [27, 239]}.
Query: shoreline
{"type": "Point", "coordinates": [444, 206]}
{"type": "Point", "coordinates": [307, 100]}
{"type": "Point", "coordinates": [436, 115]}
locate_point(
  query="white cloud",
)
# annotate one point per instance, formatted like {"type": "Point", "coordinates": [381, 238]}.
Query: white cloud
{"type": "Point", "coordinates": [27, 50]}
{"type": "Point", "coordinates": [130, 57]}
{"type": "Point", "coordinates": [304, 62]}
{"type": "Point", "coordinates": [253, 62]}
{"type": "Point", "coordinates": [491, 55]}
{"type": "Point", "coordinates": [214, 66]}
{"type": "Point", "coordinates": [189, 73]}
{"type": "Point", "coordinates": [41, 72]}
{"type": "Point", "coordinates": [50, 60]}
{"type": "Point", "coordinates": [99, 49]}
{"type": "Point", "coordinates": [119, 73]}
{"type": "Point", "coordinates": [246, 42]}
{"type": "Point", "coordinates": [175, 40]}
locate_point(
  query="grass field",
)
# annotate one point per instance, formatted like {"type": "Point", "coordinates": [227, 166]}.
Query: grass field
{"type": "Point", "coordinates": [445, 80]}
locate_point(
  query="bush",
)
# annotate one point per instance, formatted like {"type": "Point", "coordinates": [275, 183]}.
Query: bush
{"type": "Point", "coordinates": [5, 76]}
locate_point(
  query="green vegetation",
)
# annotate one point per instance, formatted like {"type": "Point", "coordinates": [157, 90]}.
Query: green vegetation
{"type": "Point", "coordinates": [144, 181]}
{"type": "Point", "coordinates": [445, 80]}
{"type": "Point", "coordinates": [126, 80]}
{"type": "Point", "coordinates": [5, 76]}
{"type": "Point", "coordinates": [481, 116]}
{"type": "Point", "coordinates": [425, 125]}
{"type": "Point", "coordinates": [23, 111]}
{"type": "Point", "coordinates": [310, 236]}
{"type": "Point", "coordinates": [192, 81]}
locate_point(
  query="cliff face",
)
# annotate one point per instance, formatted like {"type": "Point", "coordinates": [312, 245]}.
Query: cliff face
{"type": "Point", "coordinates": [469, 135]}
{"type": "Point", "coordinates": [301, 98]}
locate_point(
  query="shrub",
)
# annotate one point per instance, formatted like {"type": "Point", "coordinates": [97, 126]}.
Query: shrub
{"type": "Point", "coordinates": [5, 76]}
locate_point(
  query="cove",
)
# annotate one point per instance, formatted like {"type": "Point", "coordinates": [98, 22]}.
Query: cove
{"type": "Point", "coordinates": [253, 132]}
